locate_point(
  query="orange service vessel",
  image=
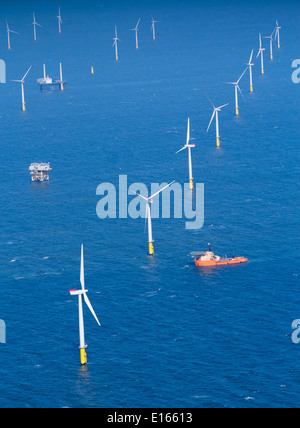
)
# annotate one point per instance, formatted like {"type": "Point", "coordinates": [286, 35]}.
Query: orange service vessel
{"type": "Point", "coordinates": [208, 258]}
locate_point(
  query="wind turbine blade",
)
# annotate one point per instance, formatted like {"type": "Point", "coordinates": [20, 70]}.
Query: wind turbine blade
{"type": "Point", "coordinates": [183, 148]}
{"type": "Point", "coordinates": [82, 269]}
{"type": "Point", "coordinates": [137, 25]}
{"type": "Point", "coordinates": [212, 118]}
{"type": "Point", "coordinates": [27, 72]}
{"type": "Point", "coordinates": [251, 56]}
{"type": "Point", "coordinates": [86, 299]}
{"type": "Point", "coordinates": [155, 194]}
{"type": "Point", "coordinates": [242, 75]}
{"type": "Point", "coordinates": [225, 105]}
{"type": "Point", "coordinates": [210, 101]}
{"type": "Point", "coordinates": [138, 194]}
{"type": "Point", "coordinates": [188, 136]}
{"type": "Point", "coordinates": [241, 92]}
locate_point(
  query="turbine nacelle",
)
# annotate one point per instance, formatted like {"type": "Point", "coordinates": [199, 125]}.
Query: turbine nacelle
{"type": "Point", "coordinates": [77, 292]}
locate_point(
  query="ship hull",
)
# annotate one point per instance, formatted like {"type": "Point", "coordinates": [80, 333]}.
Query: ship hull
{"type": "Point", "coordinates": [222, 262]}
{"type": "Point", "coordinates": [50, 87]}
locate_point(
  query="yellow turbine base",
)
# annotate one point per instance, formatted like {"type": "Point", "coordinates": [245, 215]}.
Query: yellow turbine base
{"type": "Point", "coordinates": [83, 356]}
{"type": "Point", "coordinates": [137, 46]}
{"type": "Point", "coordinates": [262, 71]}
{"type": "Point", "coordinates": [218, 142]}
{"type": "Point", "coordinates": [278, 45]}
{"type": "Point", "coordinates": [23, 107]}
{"type": "Point", "coordinates": [271, 57]}
{"type": "Point", "coordinates": [151, 249]}
{"type": "Point", "coordinates": [8, 47]}
{"type": "Point", "coordinates": [61, 87]}
{"type": "Point", "coordinates": [251, 88]}
{"type": "Point", "coordinates": [191, 184]}
{"type": "Point", "coordinates": [153, 37]}
{"type": "Point", "coordinates": [92, 70]}
{"type": "Point", "coordinates": [237, 111]}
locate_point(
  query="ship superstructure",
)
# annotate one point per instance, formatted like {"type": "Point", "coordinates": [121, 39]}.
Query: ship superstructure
{"type": "Point", "coordinates": [48, 83]}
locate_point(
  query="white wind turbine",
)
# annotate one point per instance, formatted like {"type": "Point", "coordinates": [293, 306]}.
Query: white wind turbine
{"type": "Point", "coordinates": [153, 28]}
{"type": "Point", "coordinates": [8, 34]}
{"type": "Point", "coordinates": [271, 44]}
{"type": "Point", "coordinates": [115, 44]}
{"type": "Point", "coordinates": [148, 215]}
{"type": "Point", "coordinates": [80, 293]}
{"type": "Point", "coordinates": [59, 20]}
{"type": "Point", "coordinates": [22, 81]}
{"type": "Point", "coordinates": [277, 34]}
{"type": "Point", "coordinates": [188, 146]}
{"type": "Point", "coordinates": [136, 29]}
{"type": "Point", "coordinates": [216, 113]}
{"type": "Point", "coordinates": [250, 65]}
{"type": "Point", "coordinates": [261, 53]}
{"type": "Point", "coordinates": [237, 89]}
{"type": "Point", "coordinates": [34, 26]}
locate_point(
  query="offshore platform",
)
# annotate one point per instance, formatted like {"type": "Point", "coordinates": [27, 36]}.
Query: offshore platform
{"type": "Point", "coordinates": [48, 83]}
{"type": "Point", "coordinates": [40, 171]}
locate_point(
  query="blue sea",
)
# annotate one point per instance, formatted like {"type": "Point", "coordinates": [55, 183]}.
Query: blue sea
{"type": "Point", "coordinates": [171, 335]}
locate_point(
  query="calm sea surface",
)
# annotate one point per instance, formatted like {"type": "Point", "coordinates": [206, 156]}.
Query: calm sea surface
{"type": "Point", "coordinates": [171, 335]}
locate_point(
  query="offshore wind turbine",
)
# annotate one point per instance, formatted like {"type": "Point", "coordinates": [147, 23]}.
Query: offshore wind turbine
{"type": "Point", "coordinates": [153, 28]}
{"type": "Point", "coordinates": [250, 65]}
{"type": "Point", "coordinates": [80, 293]}
{"type": "Point", "coordinates": [216, 113]}
{"type": "Point", "coordinates": [8, 34]}
{"type": "Point", "coordinates": [277, 34]}
{"type": "Point", "coordinates": [136, 29]}
{"type": "Point", "coordinates": [115, 44]}
{"type": "Point", "coordinates": [237, 89]}
{"type": "Point", "coordinates": [261, 53]}
{"type": "Point", "coordinates": [22, 81]}
{"type": "Point", "coordinates": [188, 146]}
{"type": "Point", "coordinates": [34, 26]}
{"type": "Point", "coordinates": [148, 215]}
{"type": "Point", "coordinates": [271, 44]}
{"type": "Point", "coordinates": [59, 20]}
